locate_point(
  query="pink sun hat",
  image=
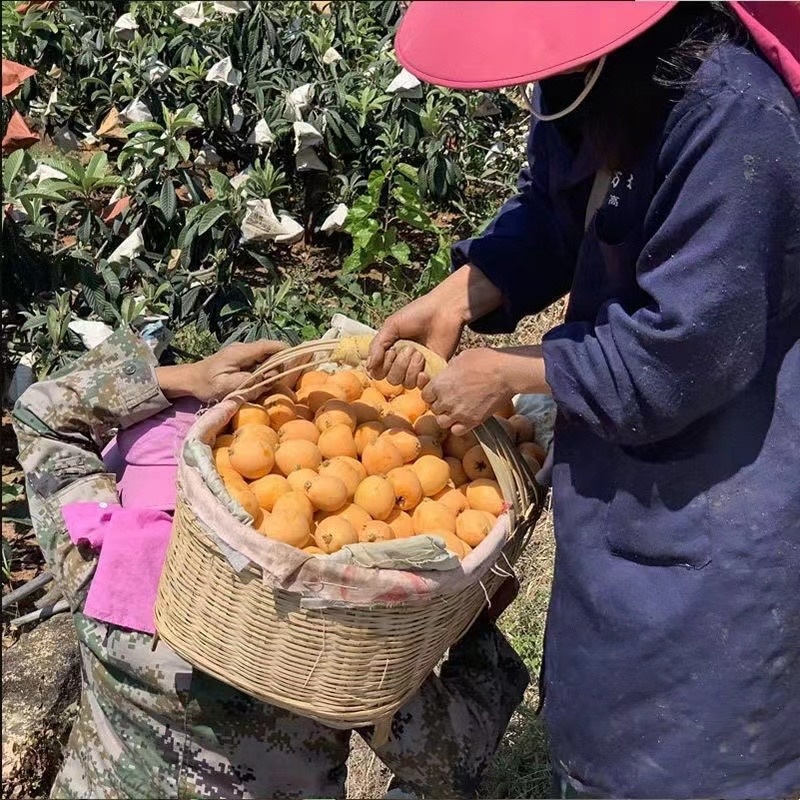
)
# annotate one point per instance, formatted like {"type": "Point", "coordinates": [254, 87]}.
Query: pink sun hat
{"type": "Point", "coordinates": [487, 44]}
{"type": "Point", "coordinates": [144, 457]}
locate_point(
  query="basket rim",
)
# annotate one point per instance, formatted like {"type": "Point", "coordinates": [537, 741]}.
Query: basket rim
{"type": "Point", "coordinates": [291, 567]}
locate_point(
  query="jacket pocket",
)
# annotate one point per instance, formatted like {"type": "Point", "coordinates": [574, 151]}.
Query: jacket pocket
{"type": "Point", "coordinates": [659, 515]}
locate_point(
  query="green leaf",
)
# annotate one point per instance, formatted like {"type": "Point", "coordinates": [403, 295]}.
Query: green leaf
{"type": "Point", "coordinates": [363, 208]}
{"type": "Point", "coordinates": [71, 167]}
{"type": "Point", "coordinates": [98, 303]}
{"type": "Point", "coordinates": [51, 319]}
{"type": "Point", "coordinates": [375, 183]}
{"type": "Point", "coordinates": [84, 230]}
{"type": "Point", "coordinates": [214, 109]}
{"type": "Point", "coordinates": [41, 194]}
{"type": "Point", "coordinates": [57, 185]}
{"type": "Point", "coordinates": [188, 115]}
{"type": "Point", "coordinates": [194, 212]}
{"type": "Point", "coordinates": [112, 282]}
{"type": "Point", "coordinates": [139, 127]}
{"type": "Point", "coordinates": [128, 309]}
{"type": "Point", "coordinates": [186, 237]}
{"type": "Point", "coordinates": [189, 300]}
{"type": "Point", "coordinates": [236, 336]}
{"type": "Point", "coordinates": [363, 236]}
{"type": "Point", "coordinates": [235, 307]}
{"type": "Point", "coordinates": [193, 186]}
{"type": "Point", "coordinates": [184, 148]}
{"type": "Point", "coordinates": [352, 263]}
{"type": "Point", "coordinates": [401, 252]}
{"type": "Point", "coordinates": [209, 219]}
{"type": "Point", "coordinates": [407, 171]}
{"type": "Point", "coordinates": [253, 40]}
{"type": "Point", "coordinates": [11, 492]}
{"type": "Point", "coordinates": [296, 51]}
{"type": "Point", "coordinates": [219, 182]}
{"type": "Point", "coordinates": [33, 322]}
{"type": "Point", "coordinates": [168, 200]}
{"type": "Point", "coordinates": [108, 181]}
{"type": "Point", "coordinates": [97, 166]}
{"type": "Point", "coordinates": [12, 166]}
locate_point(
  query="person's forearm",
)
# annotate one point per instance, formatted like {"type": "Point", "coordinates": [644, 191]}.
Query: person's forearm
{"type": "Point", "coordinates": [177, 381]}
{"type": "Point", "coordinates": [468, 294]}
{"type": "Point", "coordinates": [522, 369]}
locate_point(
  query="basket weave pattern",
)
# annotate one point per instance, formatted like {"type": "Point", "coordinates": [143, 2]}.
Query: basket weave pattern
{"type": "Point", "coordinates": [344, 666]}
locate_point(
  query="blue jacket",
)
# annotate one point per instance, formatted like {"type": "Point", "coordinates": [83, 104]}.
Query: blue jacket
{"type": "Point", "coordinates": [672, 655]}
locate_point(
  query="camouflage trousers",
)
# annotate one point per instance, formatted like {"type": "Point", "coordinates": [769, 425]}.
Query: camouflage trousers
{"type": "Point", "coordinates": [150, 726]}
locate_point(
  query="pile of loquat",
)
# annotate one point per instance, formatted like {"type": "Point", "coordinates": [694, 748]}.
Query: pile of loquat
{"type": "Point", "coordinates": [342, 458]}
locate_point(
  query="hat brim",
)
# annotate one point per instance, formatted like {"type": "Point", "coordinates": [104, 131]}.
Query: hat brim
{"type": "Point", "coordinates": [487, 44]}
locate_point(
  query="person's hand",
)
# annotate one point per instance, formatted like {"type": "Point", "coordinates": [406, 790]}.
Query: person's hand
{"type": "Point", "coordinates": [225, 371]}
{"type": "Point", "coordinates": [435, 321]}
{"type": "Point", "coordinates": [216, 376]}
{"type": "Point", "coordinates": [425, 321]}
{"type": "Point", "coordinates": [469, 390]}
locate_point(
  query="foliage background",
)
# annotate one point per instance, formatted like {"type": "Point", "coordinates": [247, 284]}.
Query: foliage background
{"type": "Point", "coordinates": [414, 167]}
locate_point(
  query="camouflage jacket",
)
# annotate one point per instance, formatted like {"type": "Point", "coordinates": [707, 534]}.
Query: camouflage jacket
{"type": "Point", "coordinates": [62, 425]}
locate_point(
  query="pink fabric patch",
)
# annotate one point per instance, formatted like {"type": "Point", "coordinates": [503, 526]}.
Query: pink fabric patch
{"type": "Point", "coordinates": [145, 456]}
{"type": "Point", "coordinates": [775, 27]}
{"type": "Point", "coordinates": [133, 545]}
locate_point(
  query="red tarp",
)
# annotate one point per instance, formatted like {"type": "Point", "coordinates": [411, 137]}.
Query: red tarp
{"type": "Point", "coordinates": [14, 75]}
{"type": "Point", "coordinates": [18, 135]}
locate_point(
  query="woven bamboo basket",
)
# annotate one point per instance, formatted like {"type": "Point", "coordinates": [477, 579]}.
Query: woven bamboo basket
{"type": "Point", "coordinates": [349, 663]}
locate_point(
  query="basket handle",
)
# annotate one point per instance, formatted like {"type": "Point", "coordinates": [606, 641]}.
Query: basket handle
{"type": "Point", "coordinates": [353, 350]}
{"type": "Point", "coordinates": [349, 350]}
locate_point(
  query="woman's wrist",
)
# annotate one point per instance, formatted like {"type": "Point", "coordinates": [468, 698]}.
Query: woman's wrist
{"type": "Point", "coordinates": [521, 370]}
{"type": "Point", "coordinates": [177, 381]}
{"type": "Point", "coordinates": [468, 294]}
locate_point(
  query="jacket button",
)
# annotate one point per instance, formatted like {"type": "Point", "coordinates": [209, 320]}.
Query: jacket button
{"type": "Point", "coordinates": [129, 369]}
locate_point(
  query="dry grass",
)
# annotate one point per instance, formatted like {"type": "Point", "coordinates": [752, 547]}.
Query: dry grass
{"type": "Point", "coordinates": [521, 767]}
{"type": "Point", "coordinates": [529, 331]}
{"type": "Point", "coordinates": [367, 777]}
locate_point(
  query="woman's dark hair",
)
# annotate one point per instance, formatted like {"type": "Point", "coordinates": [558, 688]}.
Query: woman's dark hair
{"type": "Point", "coordinates": [642, 80]}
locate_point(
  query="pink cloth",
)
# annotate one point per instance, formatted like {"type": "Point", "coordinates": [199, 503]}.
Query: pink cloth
{"type": "Point", "coordinates": [144, 457]}
{"type": "Point", "coordinates": [133, 545]}
{"type": "Point", "coordinates": [133, 538]}
{"type": "Point", "coordinates": [775, 27]}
